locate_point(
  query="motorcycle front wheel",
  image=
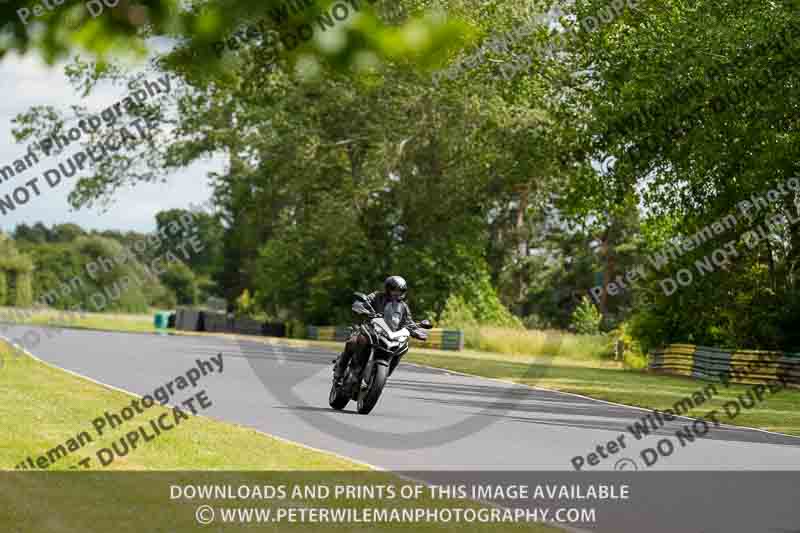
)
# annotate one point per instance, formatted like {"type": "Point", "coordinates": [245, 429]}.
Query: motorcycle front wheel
{"type": "Point", "coordinates": [369, 397]}
{"type": "Point", "coordinates": [338, 398]}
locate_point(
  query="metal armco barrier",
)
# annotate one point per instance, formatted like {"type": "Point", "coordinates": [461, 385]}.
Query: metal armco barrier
{"type": "Point", "coordinates": [440, 339]}
{"type": "Point", "coordinates": [740, 366]}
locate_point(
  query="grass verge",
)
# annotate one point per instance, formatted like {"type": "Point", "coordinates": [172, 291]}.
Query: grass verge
{"type": "Point", "coordinates": [102, 321]}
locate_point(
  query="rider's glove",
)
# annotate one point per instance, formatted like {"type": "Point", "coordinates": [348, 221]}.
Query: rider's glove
{"type": "Point", "coordinates": [419, 334]}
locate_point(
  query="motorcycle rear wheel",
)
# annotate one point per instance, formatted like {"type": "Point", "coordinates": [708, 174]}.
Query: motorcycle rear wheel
{"type": "Point", "coordinates": [368, 398]}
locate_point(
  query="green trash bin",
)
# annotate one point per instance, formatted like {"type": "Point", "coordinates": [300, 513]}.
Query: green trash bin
{"type": "Point", "coordinates": [161, 320]}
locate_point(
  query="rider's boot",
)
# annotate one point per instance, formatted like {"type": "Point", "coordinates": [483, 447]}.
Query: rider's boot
{"type": "Point", "coordinates": [340, 367]}
{"type": "Point", "coordinates": [357, 367]}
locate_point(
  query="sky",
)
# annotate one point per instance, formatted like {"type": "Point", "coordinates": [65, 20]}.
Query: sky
{"type": "Point", "coordinates": [28, 81]}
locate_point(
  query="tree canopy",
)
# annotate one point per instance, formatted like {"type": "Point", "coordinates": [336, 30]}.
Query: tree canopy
{"type": "Point", "coordinates": [513, 162]}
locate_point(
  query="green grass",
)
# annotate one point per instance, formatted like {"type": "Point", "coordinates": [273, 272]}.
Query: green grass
{"type": "Point", "coordinates": [44, 406]}
{"type": "Point", "coordinates": [511, 341]}
{"type": "Point", "coordinates": [102, 321]}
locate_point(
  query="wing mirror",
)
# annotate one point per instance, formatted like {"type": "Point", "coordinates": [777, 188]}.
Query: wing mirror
{"type": "Point", "coordinates": [426, 324]}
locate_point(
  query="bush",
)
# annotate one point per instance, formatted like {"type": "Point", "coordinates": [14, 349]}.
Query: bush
{"type": "Point", "coordinates": [61, 278]}
{"type": "Point", "coordinates": [586, 318]}
{"type": "Point", "coordinates": [24, 289]}
{"type": "Point", "coordinates": [633, 355]}
{"type": "Point", "coordinates": [181, 280]}
{"type": "Point", "coordinates": [296, 329]}
{"type": "Point", "coordinates": [245, 304]}
{"type": "Point", "coordinates": [536, 321]}
{"type": "Point", "coordinates": [157, 296]}
{"type": "Point", "coordinates": [482, 300]}
{"type": "Point", "coordinates": [457, 314]}
{"type": "Point", "coordinates": [476, 304]}
{"type": "Point", "coordinates": [206, 289]}
{"type": "Point", "coordinates": [16, 269]}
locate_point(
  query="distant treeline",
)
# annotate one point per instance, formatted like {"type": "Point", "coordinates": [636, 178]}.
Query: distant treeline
{"type": "Point", "coordinates": [59, 256]}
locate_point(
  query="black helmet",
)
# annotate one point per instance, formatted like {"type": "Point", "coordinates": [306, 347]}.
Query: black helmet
{"type": "Point", "coordinates": [396, 284]}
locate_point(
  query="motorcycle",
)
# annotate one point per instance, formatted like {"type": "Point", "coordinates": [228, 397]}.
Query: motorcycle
{"type": "Point", "coordinates": [386, 347]}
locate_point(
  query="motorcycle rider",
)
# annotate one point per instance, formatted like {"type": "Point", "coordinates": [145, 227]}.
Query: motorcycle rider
{"type": "Point", "coordinates": [390, 303]}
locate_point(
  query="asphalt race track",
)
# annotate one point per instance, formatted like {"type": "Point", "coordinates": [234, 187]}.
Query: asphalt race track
{"type": "Point", "coordinates": [426, 420]}
{"type": "Point", "coordinates": [526, 429]}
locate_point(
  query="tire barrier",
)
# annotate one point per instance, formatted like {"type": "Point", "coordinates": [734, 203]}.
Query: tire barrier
{"type": "Point", "coordinates": [212, 322]}
{"type": "Point", "coordinates": [734, 366]}
{"type": "Point", "coordinates": [187, 320]}
{"type": "Point", "coordinates": [247, 326]}
{"type": "Point", "coordinates": [441, 339]}
{"type": "Point", "coordinates": [191, 320]}
{"type": "Point", "coordinates": [217, 323]}
{"type": "Point", "coordinates": [328, 333]}
{"type": "Point", "coordinates": [273, 330]}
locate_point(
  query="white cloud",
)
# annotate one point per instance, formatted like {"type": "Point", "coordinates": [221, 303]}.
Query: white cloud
{"type": "Point", "coordinates": [25, 82]}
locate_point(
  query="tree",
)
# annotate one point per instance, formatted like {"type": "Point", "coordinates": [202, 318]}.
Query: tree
{"type": "Point", "coordinates": [61, 278]}
{"type": "Point", "coordinates": [587, 318]}
{"type": "Point", "coordinates": [66, 232]}
{"type": "Point", "coordinates": [204, 29]}
{"type": "Point", "coordinates": [37, 234]}
{"type": "Point", "coordinates": [182, 281]}
{"type": "Point", "coordinates": [205, 228]}
{"type": "Point", "coordinates": [336, 180]}
{"type": "Point", "coordinates": [700, 127]}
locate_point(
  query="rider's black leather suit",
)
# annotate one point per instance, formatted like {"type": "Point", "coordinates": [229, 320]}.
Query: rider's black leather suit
{"type": "Point", "coordinates": [397, 315]}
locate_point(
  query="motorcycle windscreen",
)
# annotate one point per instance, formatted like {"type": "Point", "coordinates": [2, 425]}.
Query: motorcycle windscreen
{"type": "Point", "coordinates": [393, 335]}
{"type": "Point", "coordinates": [360, 309]}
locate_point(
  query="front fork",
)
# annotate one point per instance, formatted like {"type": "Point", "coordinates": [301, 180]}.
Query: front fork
{"type": "Point", "coordinates": [390, 363]}
{"type": "Point", "coordinates": [365, 380]}
{"type": "Point", "coordinates": [368, 368]}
